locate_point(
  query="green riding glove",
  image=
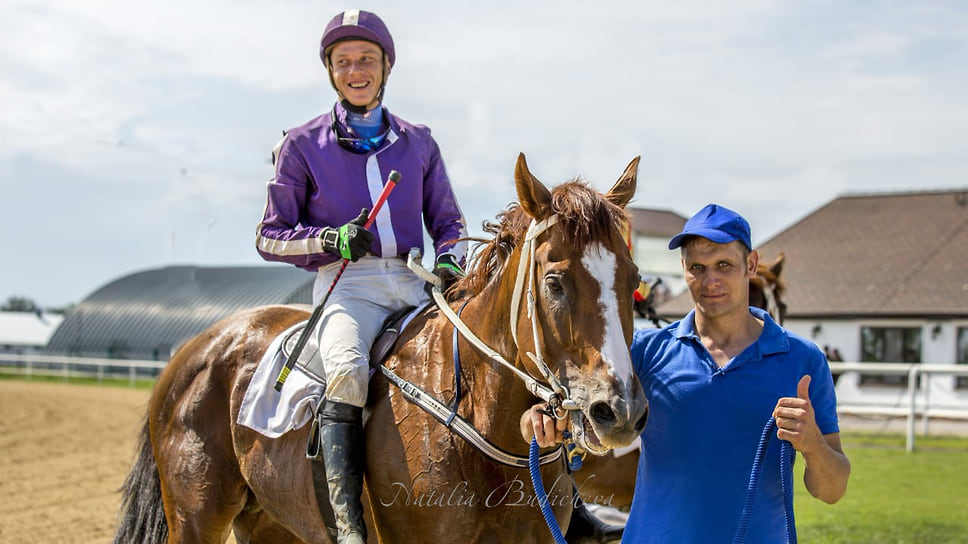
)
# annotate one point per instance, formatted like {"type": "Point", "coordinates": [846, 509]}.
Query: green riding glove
{"type": "Point", "coordinates": [351, 241]}
{"type": "Point", "coordinates": [448, 270]}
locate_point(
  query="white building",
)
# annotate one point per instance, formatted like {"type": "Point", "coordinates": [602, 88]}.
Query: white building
{"type": "Point", "coordinates": [26, 332]}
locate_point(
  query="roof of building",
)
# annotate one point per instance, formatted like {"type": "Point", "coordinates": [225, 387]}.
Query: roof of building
{"type": "Point", "coordinates": [873, 255]}
{"type": "Point", "coordinates": [149, 314]}
{"type": "Point", "coordinates": [656, 223]}
{"type": "Point", "coordinates": [27, 328]}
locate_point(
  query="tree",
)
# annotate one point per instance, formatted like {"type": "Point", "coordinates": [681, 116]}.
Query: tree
{"type": "Point", "coordinates": [19, 304]}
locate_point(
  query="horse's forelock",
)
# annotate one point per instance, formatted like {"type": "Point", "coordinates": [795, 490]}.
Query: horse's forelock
{"type": "Point", "coordinates": [585, 213]}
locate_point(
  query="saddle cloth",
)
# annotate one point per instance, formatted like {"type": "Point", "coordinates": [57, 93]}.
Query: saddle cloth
{"type": "Point", "coordinates": [273, 413]}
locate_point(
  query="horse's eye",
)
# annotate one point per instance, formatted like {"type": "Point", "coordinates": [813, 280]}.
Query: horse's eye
{"type": "Point", "coordinates": [553, 283]}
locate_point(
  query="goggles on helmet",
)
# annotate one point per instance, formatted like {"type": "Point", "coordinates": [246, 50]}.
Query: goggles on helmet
{"type": "Point", "coordinates": [356, 144]}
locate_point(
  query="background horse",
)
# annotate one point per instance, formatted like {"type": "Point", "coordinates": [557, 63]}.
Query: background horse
{"type": "Point", "coordinates": [766, 289]}
{"type": "Point", "coordinates": [609, 479]}
{"type": "Point", "coordinates": [199, 475]}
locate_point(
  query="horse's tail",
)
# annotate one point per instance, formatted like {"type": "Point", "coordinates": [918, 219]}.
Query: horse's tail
{"type": "Point", "coordinates": [141, 519]}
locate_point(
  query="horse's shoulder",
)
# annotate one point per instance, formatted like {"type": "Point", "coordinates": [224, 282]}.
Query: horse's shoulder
{"type": "Point", "coordinates": [420, 338]}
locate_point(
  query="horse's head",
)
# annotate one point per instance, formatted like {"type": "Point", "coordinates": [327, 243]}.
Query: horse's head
{"type": "Point", "coordinates": [766, 289]}
{"type": "Point", "coordinates": [578, 269]}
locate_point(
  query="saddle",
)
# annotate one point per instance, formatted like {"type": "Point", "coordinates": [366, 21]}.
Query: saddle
{"type": "Point", "coordinates": [311, 362]}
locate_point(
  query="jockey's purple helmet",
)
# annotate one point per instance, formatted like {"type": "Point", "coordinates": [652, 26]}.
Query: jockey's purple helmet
{"type": "Point", "coordinates": [357, 24]}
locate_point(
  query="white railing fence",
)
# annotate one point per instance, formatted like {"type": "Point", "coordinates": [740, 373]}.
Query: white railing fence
{"type": "Point", "coordinates": [918, 398]}
{"type": "Point", "coordinates": [78, 367]}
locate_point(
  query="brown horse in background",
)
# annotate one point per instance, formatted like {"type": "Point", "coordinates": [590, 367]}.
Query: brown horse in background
{"type": "Point", "coordinates": [610, 480]}
{"type": "Point", "coordinates": [200, 475]}
{"type": "Point", "coordinates": [766, 289]}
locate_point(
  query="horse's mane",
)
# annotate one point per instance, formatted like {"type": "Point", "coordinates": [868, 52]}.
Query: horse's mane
{"type": "Point", "coordinates": [584, 213]}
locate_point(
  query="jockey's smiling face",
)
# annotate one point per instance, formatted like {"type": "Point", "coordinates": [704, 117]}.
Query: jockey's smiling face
{"type": "Point", "coordinates": [357, 69]}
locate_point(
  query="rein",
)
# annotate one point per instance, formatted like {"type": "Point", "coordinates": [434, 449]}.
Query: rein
{"type": "Point", "coordinates": [448, 416]}
{"type": "Point", "coordinates": [460, 426]}
{"type": "Point", "coordinates": [557, 395]}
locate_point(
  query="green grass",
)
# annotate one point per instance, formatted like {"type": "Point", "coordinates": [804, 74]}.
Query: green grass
{"type": "Point", "coordinates": [893, 497]}
{"type": "Point", "coordinates": [139, 383]}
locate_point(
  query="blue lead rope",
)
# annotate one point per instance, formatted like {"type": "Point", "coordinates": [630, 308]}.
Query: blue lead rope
{"type": "Point", "coordinates": [787, 454]}
{"type": "Point", "coordinates": [541, 494]}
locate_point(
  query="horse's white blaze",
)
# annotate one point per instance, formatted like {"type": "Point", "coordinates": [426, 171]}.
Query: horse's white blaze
{"type": "Point", "coordinates": [600, 263]}
{"type": "Point", "coordinates": [772, 308]}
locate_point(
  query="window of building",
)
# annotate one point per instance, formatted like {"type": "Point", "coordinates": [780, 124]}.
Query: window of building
{"type": "Point", "coordinates": [962, 356]}
{"type": "Point", "coordinates": [889, 345]}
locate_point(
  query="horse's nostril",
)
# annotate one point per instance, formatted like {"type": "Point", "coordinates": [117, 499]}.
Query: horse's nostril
{"type": "Point", "coordinates": [640, 423]}
{"type": "Point", "coordinates": [602, 414]}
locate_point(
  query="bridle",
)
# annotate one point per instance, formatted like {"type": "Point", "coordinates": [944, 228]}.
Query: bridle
{"type": "Point", "coordinates": [555, 394]}
{"type": "Point", "coordinates": [561, 399]}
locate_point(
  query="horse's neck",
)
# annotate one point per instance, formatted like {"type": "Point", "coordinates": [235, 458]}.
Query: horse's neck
{"type": "Point", "coordinates": [496, 396]}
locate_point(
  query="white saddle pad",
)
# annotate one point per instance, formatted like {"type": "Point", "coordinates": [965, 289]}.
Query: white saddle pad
{"type": "Point", "coordinates": [273, 413]}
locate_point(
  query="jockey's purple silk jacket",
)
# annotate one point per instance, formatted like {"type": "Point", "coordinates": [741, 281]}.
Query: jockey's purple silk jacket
{"type": "Point", "coordinates": [320, 184]}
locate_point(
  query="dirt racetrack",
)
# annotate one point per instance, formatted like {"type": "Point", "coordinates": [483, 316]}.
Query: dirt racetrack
{"type": "Point", "coordinates": [64, 452]}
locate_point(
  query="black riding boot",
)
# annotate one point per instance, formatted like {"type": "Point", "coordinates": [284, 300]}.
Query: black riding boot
{"type": "Point", "coordinates": [586, 528]}
{"type": "Point", "coordinates": [341, 435]}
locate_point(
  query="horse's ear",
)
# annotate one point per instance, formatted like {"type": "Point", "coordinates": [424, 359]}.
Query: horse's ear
{"type": "Point", "coordinates": [777, 265]}
{"type": "Point", "coordinates": [534, 197]}
{"type": "Point", "coordinates": [624, 189]}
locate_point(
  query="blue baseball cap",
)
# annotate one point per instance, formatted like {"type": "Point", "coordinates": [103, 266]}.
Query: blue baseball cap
{"type": "Point", "coordinates": [716, 223]}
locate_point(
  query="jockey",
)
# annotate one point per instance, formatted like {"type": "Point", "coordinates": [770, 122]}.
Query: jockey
{"type": "Point", "coordinates": [326, 172]}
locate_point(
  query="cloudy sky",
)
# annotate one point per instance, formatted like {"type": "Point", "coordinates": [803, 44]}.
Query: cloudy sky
{"type": "Point", "coordinates": [136, 135]}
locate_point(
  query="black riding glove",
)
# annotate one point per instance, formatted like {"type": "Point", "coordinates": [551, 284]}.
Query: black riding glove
{"type": "Point", "coordinates": [448, 270]}
{"type": "Point", "coordinates": [351, 241]}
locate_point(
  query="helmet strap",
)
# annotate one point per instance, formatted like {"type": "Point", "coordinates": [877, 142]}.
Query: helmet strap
{"type": "Point", "coordinates": [353, 107]}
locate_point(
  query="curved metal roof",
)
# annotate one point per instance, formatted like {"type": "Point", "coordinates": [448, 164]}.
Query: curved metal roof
{"type": "Point", "coordinates": [147, 315]}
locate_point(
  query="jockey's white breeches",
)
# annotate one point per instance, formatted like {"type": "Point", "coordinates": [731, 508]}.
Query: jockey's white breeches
{"type": "Point", "coordinates": [367, 293]}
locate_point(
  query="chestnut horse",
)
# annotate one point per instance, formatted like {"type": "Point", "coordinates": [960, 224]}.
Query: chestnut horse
{"type": "Point", "coordinates": [610, 480]}
{"type": "Point", "coordinates": [199, 474]}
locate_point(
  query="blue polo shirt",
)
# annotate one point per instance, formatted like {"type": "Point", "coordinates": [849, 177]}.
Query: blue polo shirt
{"type": "Point", "coordinates": [704, 426]}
